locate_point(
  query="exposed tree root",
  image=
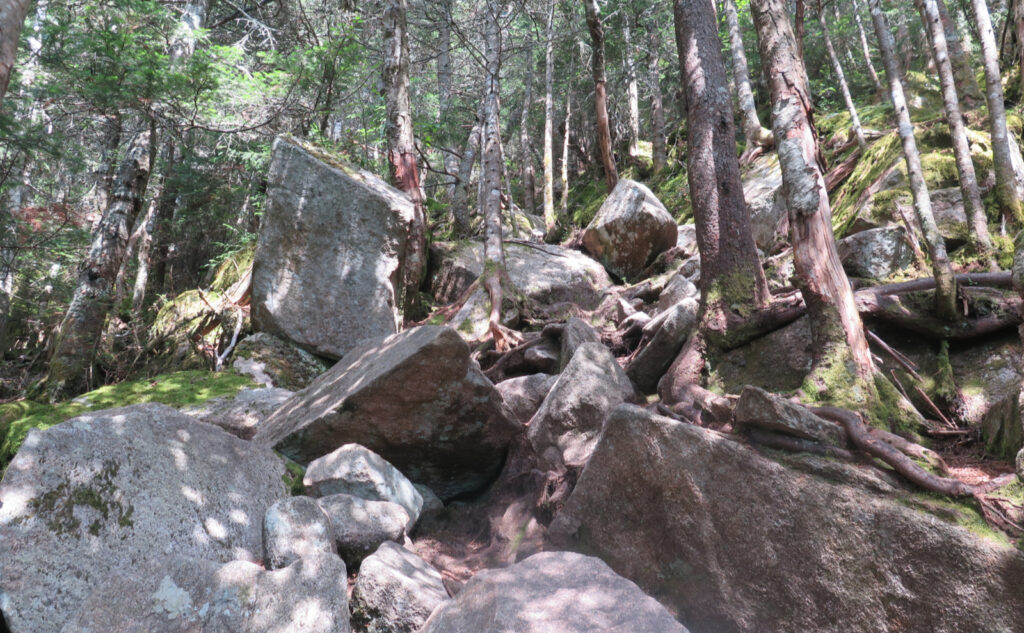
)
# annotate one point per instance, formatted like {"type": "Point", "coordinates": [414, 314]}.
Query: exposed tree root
{"type": "Point", "coordinates": [797, 445]}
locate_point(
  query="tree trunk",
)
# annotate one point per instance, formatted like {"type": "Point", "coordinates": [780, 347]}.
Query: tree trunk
{"type": "Point", "coordinates": [444, 94]}
{"type": "Point", "coordinates": [963, 66]}
{"type": "Point", "coordinates": [74, 353]}
{"type": "Point", "coordinates": [837, 67]}
{"type": "Point", "coordinates": [526, 158]}
{"type": "Point", "coordinates": [632, 91]}
{"type": "Point", "coordinates": [402, 145]}
{"type": "Point", "coordinates": [604, 135]}
{"type": "Point", "coordinates": [755, 134]}
{"type": "Point", "coordinates": [550, 219]}
{"type": "Point", "coordinates": [12, 17]}
{"type": "Point", "coordinates": [1007, 194]}
{"type": "Point", "coordinates": [732, 282]}
{"type": "Point", "coordinates": [945, 292]}
{"type": "Point", "coordinates": [565, 155]}
{"type": "Point", "coordinates": [798, 28]}
{"type": "Point", "coordinates": [659, 153]}
{"type": "Point", "coordinates": [841, 356]}
{"type": "Point", "coordinates": [879, 88]}
{"type": "Point", "coordinates": [460, 202]}
{"type": "Point", "coordinates": [973, 206]}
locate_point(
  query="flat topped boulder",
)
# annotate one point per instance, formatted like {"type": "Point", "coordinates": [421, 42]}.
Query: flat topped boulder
{"type": "Point", "coordinates": [416, 399]}
{"type": "Point", "coordinates": [113, 490]}
{"type": "Point", "coordinates": [552, 592]}
{"type": "Point", "coordinates": [631, 228]}
{"type": "Point", "coordinates": [328, 262]}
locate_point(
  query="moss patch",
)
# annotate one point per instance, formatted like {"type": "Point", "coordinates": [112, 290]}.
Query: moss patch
{"type": "Point", "coordinates": [231, 268]}
{"type": "Point", "coordinates": [956, 512]}
{"type": "Point", "coordinates": [179, 389]}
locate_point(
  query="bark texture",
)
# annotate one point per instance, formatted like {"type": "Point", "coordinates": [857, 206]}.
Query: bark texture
{"type": "Point", "coordinates": [841, 351]}
{"type": "Point", "coordinates": [837, 68]}
{"type": "Point", "coordinates": [12, 17]}
{"type": "Point", "coordinates": [659, 153]}
{"type": "Point", "coordinates": [866, 50]}
{"type": "Point", "coordinates": [75, 349]}
{"type": "Point", "coordinates": [945, 293]}
{"type": "Point", "coordinates": [526, 156]}
{"type": "Point", "coordinates": [632, 90]}
{"type": "Point", "coordinates": [550, 218]}
{"type": "Point", "coordinates": [604, 134]}
{"type": "Point", "coordinates": [490, 176]}
{"type": "Point", "coordinates": [755, 134]}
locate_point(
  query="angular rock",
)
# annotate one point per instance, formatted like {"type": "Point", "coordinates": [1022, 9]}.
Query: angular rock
{"type": "Point", "coordinates": [552, 592]}
{"type": "Point", "coordinates": [542, 357]}
{"type": "Point", "coordinates": [523, 395]}
{"type": "Point", "coordinates": [565, 428]}
{"type": "Point", "coordinates": [274, 362]}
{"type": "Point", "coordinates": [575, 333]}
{"type": "Point", "coordinates": [192, 595]}
{"type": "Point", "coordinates": [686, 239]}
{"type": "Point", "coordinates": [546, 274]}
{"type": "Point", "coordinates": [360, 526]}
{"type": "Point", "coordinates": [647, 367]}
{"type": "Point", "coordinates": [738, 542]}
{"type": "Point", "coordinates": [358, 471]}
{"type": "Point", "coordinates": [416, 399]}
{"type": "Point", "coordinates": [876, 253]}
{"type": "Point", "coordinates": [294, 528]}
{"type": "Point", "coordinates": [396, 591]}
{"type": "Point", "coordinates": [777, 361]}
{"type": "Point", "coordinates": [631, 228]}
{"type": "Point", "coordinates": [677, 289]}
{"type": "Point", "coordinates": [762, 186]}
{"type": "Point", "coordinates": [328, 262]}
{"type": "Point", "coordinates": [431, 502]}
{"type": "Point", "coordinates": [759, 408]}
{"type": "Point", "coordinates": [242, 414]}
{"type": "Point", "coordinates": [103, 493]}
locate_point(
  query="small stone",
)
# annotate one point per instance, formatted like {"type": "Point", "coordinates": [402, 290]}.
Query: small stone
{"type": "Point", "coordinates": [575, 333]}
{"type": "Point", "coordinates": [294, 528]}
{"type": "Point", "coordinates": [524, 394]}
{"type": "Point", "coordinates": [360, 526]}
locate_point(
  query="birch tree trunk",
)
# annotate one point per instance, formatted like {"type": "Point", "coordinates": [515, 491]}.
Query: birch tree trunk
{"type": "Point", "coordinates": [945, 282]}
{"type": "Point", "coordinates": [444, 93]}
{"type": "Point", "coordinates": [71, 364]}
{"type": "Point", "coordinates": [973, 206]}
{"type": "Point", "coordinates": [402, 146]}
{"type": "Point", "coordinates": [604, 135]}
{"type": "Point", "coordinates": [963, 66]}
{"type": "Point", "coordinates": [844, 88]}
{"type": "Point", "coordinates": [526, 155]}
{"type": "Point", "coordinates": [841, 356]}
{"type": "Point", "coordinates": [632, 91]}
{"type": "Point", "coordinates": [550, 219]}
{"type": "Point", "coordinates": [659, 152]}
{"type": "Point", "coordinates": [756, 135]}
{"type": "Point", "coordinates": [565, 155]}
{"type": "Point", "coordinates": [879, 88]}
{"type": "Point", "coordinates": [1008, 195]}
{"type": "Point", "coordinates": [12, 17]}
{"type": "Point", "coordinates": [733, 285]}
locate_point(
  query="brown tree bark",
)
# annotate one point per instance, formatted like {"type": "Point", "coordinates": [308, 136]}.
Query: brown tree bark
{"type": "Point", "coordinates": [463, 185]}
{"type": "Point", "coordinates": [756, 135]}
{"type": "Point", "coordinates": [402, 145]}
{"type": "Point", "coordinates": [604, 135]}
{"type": "Point", "coordinates": [841, 356]}
{"type": "Point", "coordinates": [12, 17]}
{"type": "Point", "coordinates": [733, 285]}
{"type": "Point", "coordinates": [75, 349]}
{"type": "Point", "coordinates": [837, 68]}
{"type": "Point", "coordinates": [973, 206]}
{"type": "Point", "coordinates": [945, 293]}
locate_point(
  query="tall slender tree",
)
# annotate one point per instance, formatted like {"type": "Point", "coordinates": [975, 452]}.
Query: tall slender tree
{"type": "Point", "coordinates": [526, 155]}
{"type": "Point", "coordinates": [12, 17]}
{"type": "Point", "coordinates": [756, 135]}
{"type": "Point", "coordinates": [550, 217]}
{"type": "Point", "coordinates": [866, 50]}
{"type": "Point", "coordinates": [844, 88]}
{"type": "Point", "coordinates": [659, 153]}
{"type": "Point", "coordinates": [604, 133]}
{"type": "Point", "coordinates": [632, 89]}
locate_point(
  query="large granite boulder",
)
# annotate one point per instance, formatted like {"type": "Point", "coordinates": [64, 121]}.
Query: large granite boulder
{"type": "Point", "coordinates": [565, 428]}
{"type": "Point", "coordinates": [396, 591]}
{"type": "Point", "coordinates": [631, 228]}
{"type": "Point", "coordinates": [114, 490]}
{"type": "Point", "coordinates": [876, 253]}
{"type": "Point", "coordinates": [668, 332]}
{"type": "Point", "coordinates": [552, 592]}
{"type": "Point", "coordinates": [416, 399]}
{"type": "Point", "coordinates": [197, 596]}
{"type": "Point", "coordinates": [523, 395]}
{"type": "Point", "coordinates": [738, 542]}
{"type": "Point", "coordinates": [360, 525]}
{"type": "Point", "coordinates": [328, 264]}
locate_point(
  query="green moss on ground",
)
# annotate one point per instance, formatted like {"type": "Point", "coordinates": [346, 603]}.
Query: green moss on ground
{"type": "Point", "coordinates": [956, 512]}
{"type": "Point", "coordinates": [179, 389]}
{"type": "Point", "coordinates": [231, 268]}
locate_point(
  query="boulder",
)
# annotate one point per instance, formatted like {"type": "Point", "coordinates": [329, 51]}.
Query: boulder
{"type": "Point", "coordinates": [565, 428]}
{"type": "Point", "coordinates": [358, 471]}
{"type": "Point", "coordinates": [431, 502]}
{"type": "Point", "coordinates": [630, 230]}
{"type": "Point", "coordinates": [546, 274]}
{"type": "Point", "coordinates": [542, 357]}
{"type": "Point", "coordinates": [740, 543]}
{"type": "Point", "coordinates": [294, 528]}
{"type": "Point", "coordinates": [677, 289]}
{"type": "Point", "coordinates": [523, 395]}
{"type": "Point", "coordinates": [552, 592]}
{"type": "Point", "coordinates": [575, 333]}
{"type": "Point", "coordinates": [761, 409]}
{"type": "Point", "coordinates": [778, 361]}
{"type": "Point", "coordinates": [241, 415]}
{"type": "Point", "coordinates": [105, 492]}
{"type": "Point", "coordinates": [416, 399]}
{"type": "Point", "coordinates": [396, 591]}
{"type": "Point", "coordinates": [274, 362]}
{"type": "Point", "coordinates": [762, 190]}
{"type": "Point", "coordinates": [686, 239]}
{"type": "Point", "coordinates": [876, 253]}
{"type": "Point", "coordinates": [191, 595]}
{"type": "Point", "coordinates": [360, 525]}
{"type": "Point", "coordinates": [328, 264]}
{"type": "Point", "coordinates": [647, 367]}
{"type": "Point", "coordinates": [1020, 465]}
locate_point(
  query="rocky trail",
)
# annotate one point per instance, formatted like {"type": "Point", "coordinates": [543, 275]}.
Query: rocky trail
{"type": "Point", "coordinates": [399, 478]}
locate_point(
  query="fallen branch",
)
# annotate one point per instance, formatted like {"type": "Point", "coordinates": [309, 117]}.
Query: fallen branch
{"type": "Point", "coordinates": [796, 444]}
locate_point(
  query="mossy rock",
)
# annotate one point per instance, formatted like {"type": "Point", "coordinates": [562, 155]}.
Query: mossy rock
{"type": "Point", "coordinates": [178, 390]}
{"type": "Point", "coordinates": [275, 362]}
{"type": "Point", "coordinates": [231, 269]}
